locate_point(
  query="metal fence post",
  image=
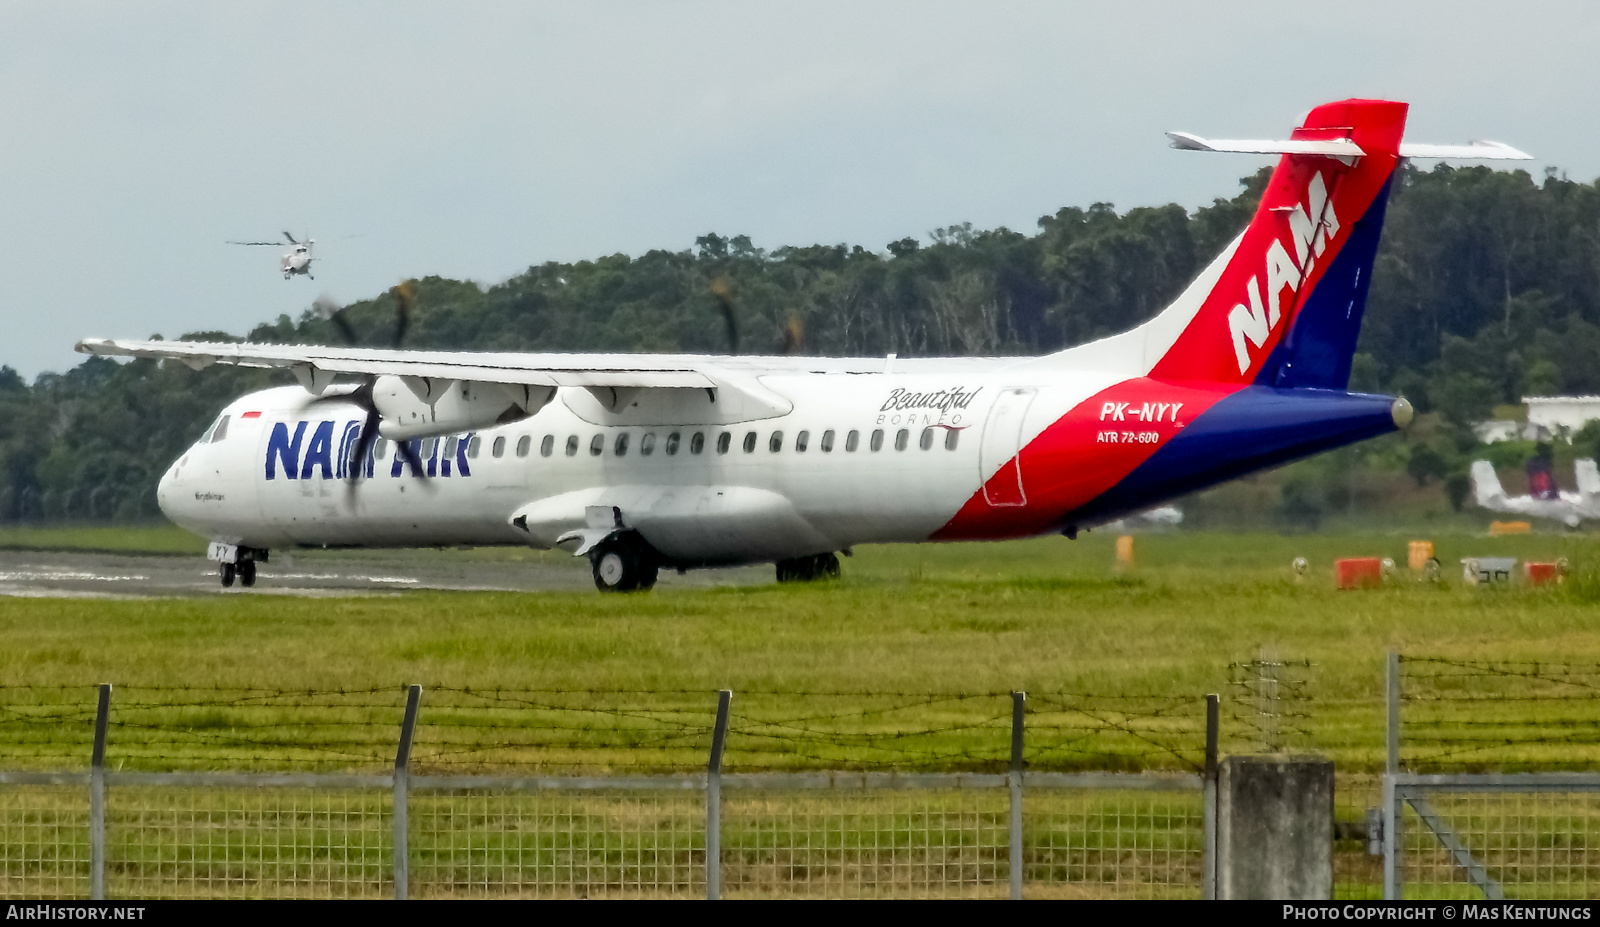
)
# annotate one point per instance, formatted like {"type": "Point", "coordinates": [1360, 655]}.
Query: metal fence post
{"type": "Point", "coordinates": [402, 775]}
{"type": "Point", "coordinates": [719, 736]}
{"type": "Point", "coordinates": [97, 798]}
{"type": "Point", "coordinates": [1019, 701]}
{"type": "Point", "coordinates": [1393, 810]}
{"type": "Point", "coordinates": [1208, 806]}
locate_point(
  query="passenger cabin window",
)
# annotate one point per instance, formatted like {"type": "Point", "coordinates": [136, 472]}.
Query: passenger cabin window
{"type": "Point", "coordinates": [877, 440]}
{"type": "Point", "coordinates": [901, 439]}
{"type": "Point", "coordinates": [672, 444]}
{"type": "Point", "coordinates": [801, 440]}
{"type": "Point", "coordinates": [497, 450]}
{"type": "Point", "coordinates": [775, 443]}
{"type": "Point", "coordinates": [572, 445]}
{"type": "Point", "coordinates": [428, 447]}
{"type": "Point", "coordinates": [697, 442]}
{"type": "Point", "coordinates": [381, 449]}
{"type": "Point", "coordinates": [597, 445]}
{"type": "Point", "coordinates": [827, 441]}
{"type": "Point", "coordinates": [647, 444]}
{"type": "Point", "coordinates": [749, 442]}
{"type": "Point", "coordinates": [852, 441]}
{"type": "Point", "coordinates": [723, 441]}
{"type": "Point", "coordinates": [926, 441]}
{"type": "Point", "coordinates": [220, 431]}
{"type": "Point", "coordinates": [951, 437]}
{"type": "Point", "coordinates": [547, 446]}
{"type": "Point", "coordinates": [473, 446]}
{"type": "Point", "coordinates": [621, 447]}
{"type": "Point", "coordinates": [523, 443]}
{"type": "Point", "coordinates": [450, 446]}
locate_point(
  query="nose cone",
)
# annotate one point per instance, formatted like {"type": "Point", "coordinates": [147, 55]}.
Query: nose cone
{"type": "Point", "coordinates": [166, 490]}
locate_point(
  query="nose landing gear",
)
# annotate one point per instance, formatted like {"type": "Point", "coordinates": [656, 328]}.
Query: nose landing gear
{"type": "Point", "coordinates": [236, 563]}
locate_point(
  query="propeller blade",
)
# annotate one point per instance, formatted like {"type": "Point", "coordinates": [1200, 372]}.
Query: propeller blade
{"type": "Point", "coordinates": [291, 238]}
{"type": "Point", "coordinates": [403, 448]}
{"type": "Point", "coordinates": [404, 302]}
{"type": "Point", "coordinates": [722, 289]}
{"type": "Point", "coordinates": [794, 335]}
{"type": "Point", "coordinates": [333, 312]}
{"type": "Point", "coordinates": [358, 458]}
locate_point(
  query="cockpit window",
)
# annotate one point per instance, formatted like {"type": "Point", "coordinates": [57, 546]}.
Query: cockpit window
{"type": "Point", "coordinates": [217, 431]}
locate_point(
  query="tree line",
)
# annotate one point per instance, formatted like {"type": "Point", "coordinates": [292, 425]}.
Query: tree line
{"type": "Point", "coordinates": [1486, 288]}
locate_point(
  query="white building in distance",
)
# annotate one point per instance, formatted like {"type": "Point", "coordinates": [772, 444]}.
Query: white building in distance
{"type": "Point", "coordinates": [1562, 416]}
{"type": "Point", "coordinates": [1548, 417]}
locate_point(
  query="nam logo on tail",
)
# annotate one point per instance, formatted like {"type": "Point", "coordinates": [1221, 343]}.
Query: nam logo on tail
{"type": "Point", "coordinates": [1311, 228]}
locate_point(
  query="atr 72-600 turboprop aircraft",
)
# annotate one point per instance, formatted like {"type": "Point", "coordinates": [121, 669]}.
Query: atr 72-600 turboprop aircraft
{"type": "Point", "coordinates": [645, 461]}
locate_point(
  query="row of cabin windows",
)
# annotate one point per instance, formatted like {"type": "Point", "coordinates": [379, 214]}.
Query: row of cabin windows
{"type": "Point", "coordinates": [697, 443]}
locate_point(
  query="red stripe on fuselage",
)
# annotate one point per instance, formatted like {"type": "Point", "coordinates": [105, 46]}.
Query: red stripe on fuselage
{"type": "Point", "coordinates": [1081, 455]}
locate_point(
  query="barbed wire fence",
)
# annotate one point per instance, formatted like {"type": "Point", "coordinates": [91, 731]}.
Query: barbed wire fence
{"type": "Point", "coordinates": [218, 791]}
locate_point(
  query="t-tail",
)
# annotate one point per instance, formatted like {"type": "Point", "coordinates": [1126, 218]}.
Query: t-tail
{"type": "Point", "coordinates": [1284, 302]}
{"type": "Point", "coordinates": [1265, 336]}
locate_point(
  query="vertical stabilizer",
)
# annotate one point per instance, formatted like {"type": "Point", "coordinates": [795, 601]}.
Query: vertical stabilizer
{"type": "Point", "coordinates": [1486, 485]}
{"type": "Point", "coordinates": [1588, 479]}
{"type": "Point", "coordinates": [1286, 308]}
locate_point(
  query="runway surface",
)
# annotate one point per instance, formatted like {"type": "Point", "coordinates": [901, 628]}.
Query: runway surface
{"type": "Point", "coordinates": [78, 574]}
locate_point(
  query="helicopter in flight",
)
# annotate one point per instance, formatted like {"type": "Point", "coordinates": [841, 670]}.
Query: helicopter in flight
{"type": "Point", "coordinates": [297, 260]}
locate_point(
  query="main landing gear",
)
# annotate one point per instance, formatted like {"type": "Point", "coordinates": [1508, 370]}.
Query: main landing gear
{"type": "Point", "coordinates": [624, 563]}
{"type": "Point", "coordinates": [807, 569]}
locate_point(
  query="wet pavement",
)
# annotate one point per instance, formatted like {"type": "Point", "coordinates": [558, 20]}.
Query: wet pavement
{"type": "Point", "coordinates": [81, 574]}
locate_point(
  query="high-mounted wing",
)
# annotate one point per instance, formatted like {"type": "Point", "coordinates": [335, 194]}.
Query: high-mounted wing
{"type": "Point", "coordinates": [442, 392]}
{"type": "Point", "coordinates": [272, 244]}
{"type": "Point", "coordinates": [319, 364]}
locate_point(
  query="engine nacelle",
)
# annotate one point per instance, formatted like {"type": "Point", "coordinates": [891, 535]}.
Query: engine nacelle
{"type": "Point", "coordinates": [420, 407]}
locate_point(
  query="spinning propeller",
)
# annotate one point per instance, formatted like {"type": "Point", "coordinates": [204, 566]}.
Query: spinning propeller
{"type": "Point", "coordinates": [361, 396]}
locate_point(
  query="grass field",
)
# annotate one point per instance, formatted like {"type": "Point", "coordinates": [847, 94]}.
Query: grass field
{"type": "Point", "coordinates": [585, 681]}
{"type": "Point", "coordinates": [1045, 616]}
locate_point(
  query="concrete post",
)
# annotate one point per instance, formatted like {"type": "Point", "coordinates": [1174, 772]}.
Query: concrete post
{"type": "Point", "coordinates": [1275, 828]}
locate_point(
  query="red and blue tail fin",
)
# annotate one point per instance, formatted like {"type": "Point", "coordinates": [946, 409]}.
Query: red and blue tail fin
{"type": "Point", "coordinates": [1285, 309]}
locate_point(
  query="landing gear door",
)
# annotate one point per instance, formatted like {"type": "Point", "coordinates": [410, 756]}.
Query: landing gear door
{"type": "Point", "coordinates": [1000, 467]}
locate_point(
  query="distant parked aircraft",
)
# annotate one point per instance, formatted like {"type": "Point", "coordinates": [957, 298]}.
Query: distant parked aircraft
{"type": "Point", "coordinates": [1543, 500]}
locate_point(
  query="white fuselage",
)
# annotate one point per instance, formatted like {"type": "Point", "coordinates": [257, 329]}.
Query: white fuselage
{"type": "Point", "coordinates": [853, 461]}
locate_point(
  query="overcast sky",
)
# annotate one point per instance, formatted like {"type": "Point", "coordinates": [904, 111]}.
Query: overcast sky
{"type": "Point", "coordinates": [475, 139]}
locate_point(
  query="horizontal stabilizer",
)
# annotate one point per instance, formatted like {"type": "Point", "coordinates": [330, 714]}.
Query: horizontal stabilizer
{"type": "Point", "coordinates": [1332, 147]}
{"type": "Point", "coordinates": [1477, 151]}
{"type": "Point", "coordinates": [1344, 148]}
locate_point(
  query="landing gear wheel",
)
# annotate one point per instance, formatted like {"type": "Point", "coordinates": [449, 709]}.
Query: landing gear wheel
{"type": "Point", "coordinates": [623, 565]}
{"type": "Point", "coordinates": [247, 573]}
{"type": "Point", "coordinates": [808, 569]}
{"type": "Point", "coordinates": [227, 575]}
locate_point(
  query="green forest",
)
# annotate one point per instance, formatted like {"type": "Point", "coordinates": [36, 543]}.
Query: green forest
{"type": "Point", "coordinates": [1487, 288]}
